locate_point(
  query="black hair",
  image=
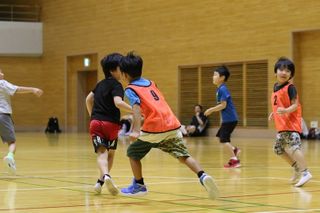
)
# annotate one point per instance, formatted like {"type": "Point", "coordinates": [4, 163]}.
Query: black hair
{"type": "Point", "coordinates": [284, 63]}
{"type": "Point", "coordinates": [110, 63]}
{"type": "Point", "coordinates": [223, 71]}
{"type": "Point", "coordinates": [132, 65]}
{"type": "Point", "coordinates": [198, 106]}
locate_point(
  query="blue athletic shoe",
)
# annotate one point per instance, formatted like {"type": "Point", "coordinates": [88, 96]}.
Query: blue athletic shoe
{"type": "Point", "coordinates": [210, 186]}
{"type": "Point", "coordinates": [135, 189]}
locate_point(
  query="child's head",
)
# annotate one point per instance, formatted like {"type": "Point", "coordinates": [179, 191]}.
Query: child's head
{"type": "Point", "coordinates": [197, 108]}
{"type": "Point", "coordinates": [284, 68]}
{"type": "Point", "coordinates": [110, 64]}
{"type": "Point", "coordinates": [131, 66]}
{"type": "Point", "coordinates": [220, 75]}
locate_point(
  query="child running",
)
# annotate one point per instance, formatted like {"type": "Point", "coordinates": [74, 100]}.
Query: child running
{"type": "Point", "coordinates": [286, 113]}
{"type": "Point", "coordinates": [102, 105]}
{"type": "Point", "coordinates": [159, 130]}
{"type": "Point", "coordinates": [228, 114]}
{"type": "Point", "coordinates": [7, 131]}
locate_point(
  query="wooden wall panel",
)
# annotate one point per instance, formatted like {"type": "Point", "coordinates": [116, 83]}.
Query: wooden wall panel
{"type": "Point", "coordinates": [308, 73]}
{"type": "Point", "coordinates": [188, 93]}
{"type": "Point", "coordinates": [167, 34]}
{"type": "Point", "coordinates": [257, 94]}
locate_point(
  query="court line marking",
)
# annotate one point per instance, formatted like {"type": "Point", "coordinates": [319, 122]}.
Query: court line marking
{"type": "Point", "coordinates": [301, 210]}
{"type": "Point", "coordinates": [172, 201]}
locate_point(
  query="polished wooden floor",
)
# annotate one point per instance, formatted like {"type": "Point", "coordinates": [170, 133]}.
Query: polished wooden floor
{"type": "Point", "coordinates": [56, 173]}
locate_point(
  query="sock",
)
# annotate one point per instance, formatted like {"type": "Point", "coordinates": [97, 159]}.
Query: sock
{"type": "Point", "coordinates": [100, 182]}
{"type": "Point", "coordinates": [106, 175]}
{"type": "Point", "coordinates": [10, 154]}
{"type": "Point", "coordinates": [200, 173]}
{"type": "Point", "coordinates": [140, 181]}
{"type": "Point", "coordinates": [234, 158]}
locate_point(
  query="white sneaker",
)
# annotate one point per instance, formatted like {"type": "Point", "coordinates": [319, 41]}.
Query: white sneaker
{"type": "Point", "coordinates": [305, 177]}
{"type": "Point", "coordinates": [111, 186]}
{"type": "Point", "coordinates": [98, 187]}
{"type": "Point", "coordinates": [208, 183]}
{"type": "Point", "coordinates": [10, 163]}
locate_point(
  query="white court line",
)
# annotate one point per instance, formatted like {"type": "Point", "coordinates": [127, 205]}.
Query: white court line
{"type": "Point", "coordinates": [148, 177]}
{"type": "Point", "coordinates": [41, 188]}
{"type": "Point", "coordinates": [291, 210]}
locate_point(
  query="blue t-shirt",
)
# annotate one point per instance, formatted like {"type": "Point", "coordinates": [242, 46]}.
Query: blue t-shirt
{"type": "Point", "coordinates": [229, 113]}
{"type": "Point", "coordinates": [131, 95]}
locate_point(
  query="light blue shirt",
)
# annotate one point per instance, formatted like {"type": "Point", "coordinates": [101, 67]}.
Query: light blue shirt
{"type": "Point", "coordinates": [131, 95]}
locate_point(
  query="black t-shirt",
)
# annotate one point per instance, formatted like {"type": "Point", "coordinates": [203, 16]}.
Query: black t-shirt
{"type": "Point", "coordinates": [104, 108]}
{"type": "Point", "coordinates": [195, 122]}
{"type": "Point", "coordinates": [291, 90]}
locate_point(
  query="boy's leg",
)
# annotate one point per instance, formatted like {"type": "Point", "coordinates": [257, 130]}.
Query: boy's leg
{"type": "Point", "coordinates": [176, 148]}
{"type": "Point", "coordinates": [296, 171]}
{"type": "Point", "coordinates": [8, 136]}
{"type": "Point", "coordinates": [136, 168]}
{"type": "Point", "coordinates": [111, 154]}
{"type": "Point", "coordinates": [136, 151]}
{"type": "Point", "coordinates": [224, 135]}
{"type": "Point", "coordinates": [305, 174]}
{"type": "Point", "coordinates": [294, 150]}
{"type": "Point", "coordinates": [206, 180]}
{"type": "Point", "coordinates": [9, 158]}
{"type": "Point", "coordinates": [102, 163]}
{"type": "Point", "coordinates": [280, 148]}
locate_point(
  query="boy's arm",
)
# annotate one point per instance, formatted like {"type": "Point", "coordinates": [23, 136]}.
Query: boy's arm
{"type": "Point", "coordinates": [217, 108]}
{"type": "Point", "coordinates": [89, 102]}
{"type": "Point", "coordinates": [200, 121]}
{"type": "Point", "coordinates": [293, 107]}
{"type": "Point", "coordinates": [270, 118]}
{"type": "Point", "coordinates": [121, 104]}
{"type": "Point", "coordinates": [136, 122]}
{"type": "Point", "coordinates": [36, 91]}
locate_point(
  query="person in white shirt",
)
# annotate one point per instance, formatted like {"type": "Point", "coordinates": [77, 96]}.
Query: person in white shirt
{"type": "Point", "coordinates": [7, 132]}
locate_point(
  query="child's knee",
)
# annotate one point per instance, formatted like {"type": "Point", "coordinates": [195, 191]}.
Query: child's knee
{"type": "Point", "coordinates": [278, 150]}
{"type": "Point", "coordinates": [182, 159]}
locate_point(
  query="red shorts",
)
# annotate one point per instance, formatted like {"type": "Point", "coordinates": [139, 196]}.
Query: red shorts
{"type": "Point", "coordinates": [104, 129]}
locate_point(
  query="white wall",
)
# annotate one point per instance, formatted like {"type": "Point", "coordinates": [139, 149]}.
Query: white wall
{"type": "Point", "coordinates": [20, 38]}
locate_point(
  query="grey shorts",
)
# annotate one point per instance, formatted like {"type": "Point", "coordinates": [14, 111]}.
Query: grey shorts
{"type": "Point", "coordinates": [6, 128]}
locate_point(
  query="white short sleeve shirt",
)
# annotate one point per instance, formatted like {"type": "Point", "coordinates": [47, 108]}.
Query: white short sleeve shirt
{"type": "Point", "coordinates": [6, 90]}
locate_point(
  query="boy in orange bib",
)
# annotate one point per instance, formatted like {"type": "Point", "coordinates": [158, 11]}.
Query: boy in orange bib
{"type": "Point", "coordinates": [286, 113]}
{"type": "Point", "coordinates": [160, 128]}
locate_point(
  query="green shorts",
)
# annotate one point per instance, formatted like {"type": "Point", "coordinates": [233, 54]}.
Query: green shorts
{"type": "Point", "coordinates": [174, 146]}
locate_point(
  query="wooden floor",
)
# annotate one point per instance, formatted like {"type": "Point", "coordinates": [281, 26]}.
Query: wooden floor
{"type": "Point", "coordinates": [56, 173]}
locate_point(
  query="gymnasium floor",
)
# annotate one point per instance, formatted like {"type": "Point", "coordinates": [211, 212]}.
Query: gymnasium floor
{"type": "Point", "coordinates": [56, 173]}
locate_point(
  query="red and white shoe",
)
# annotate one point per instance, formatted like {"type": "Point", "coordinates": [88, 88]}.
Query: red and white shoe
{"type": "Point", "coordinates": [233, 164]}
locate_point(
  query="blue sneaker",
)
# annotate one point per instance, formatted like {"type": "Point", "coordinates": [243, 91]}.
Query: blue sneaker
{"type": "Point", "coordinates": [135, 189]}
{"type": "Point", "coordinates": [210, 186]}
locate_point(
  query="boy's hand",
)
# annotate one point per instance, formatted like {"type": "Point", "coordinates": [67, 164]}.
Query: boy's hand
{"type": "Point", "coordinates": [207, 112]}
{"type": "Point", "coordinates": [270, 118]}
{"type": "Point", "coordinates": [281, 110]}
{"type": "Point", "coordinates": [37, 92]}
{"type": "Point", "coordinates": [134, 136]}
